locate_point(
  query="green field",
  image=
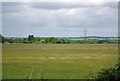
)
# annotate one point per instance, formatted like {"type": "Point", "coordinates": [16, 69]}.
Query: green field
{"type": "Point", "coordinates": [57, 61]}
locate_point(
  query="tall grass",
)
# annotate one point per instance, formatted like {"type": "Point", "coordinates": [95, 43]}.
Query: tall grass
{"type": "Point", "coordinates": [57, 61]}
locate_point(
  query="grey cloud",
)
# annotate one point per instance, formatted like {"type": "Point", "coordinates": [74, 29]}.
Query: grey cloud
{"type": "Point", "coordinates": [60, 5]}
{"type": "Point", "coordinates": [11, 7]}
{"type": "Point", "coordinates": [59, 19]}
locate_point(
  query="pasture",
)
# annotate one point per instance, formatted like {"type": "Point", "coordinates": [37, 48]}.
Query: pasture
{"type": "Point", "coordinates": [57, 61]}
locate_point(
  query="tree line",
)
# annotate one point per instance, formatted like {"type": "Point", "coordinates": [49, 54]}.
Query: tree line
{"type": "Point", "coordinates": [52, 40]}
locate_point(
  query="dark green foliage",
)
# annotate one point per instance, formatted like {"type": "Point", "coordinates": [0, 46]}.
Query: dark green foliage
{"type": "Point", "coordinates": [9, 40]}
{"type": "Point", "coordinates": [18, 40]}
{"type": "Point", "coordinates": [110, 74]}
{"type": "Point", "coordinates": [31, 38]}
{"type": "Point", "coordinates": [2, 40]}
{"type": "Point", "coordinates": [53, 40]}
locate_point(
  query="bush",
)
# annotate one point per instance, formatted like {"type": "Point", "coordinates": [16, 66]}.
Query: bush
{"type": "Point", "coordinates": [110, 74]}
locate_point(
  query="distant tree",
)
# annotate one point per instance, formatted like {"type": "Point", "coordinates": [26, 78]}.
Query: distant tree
{"type": "Point", "coordinates": [18, 40]}
{"type": "Point", "coordinates": [36, 39]}
{"type": "Point", "coordinates": [10, 40]}
{"type": "Point", "coordinates": [31, 38]}
{"type": "Point", "coordinates": [67, 41]}
{"type": "Point", "coordinates": [2, 39]}
{"type": "Point", "coordinates": [62, 41]}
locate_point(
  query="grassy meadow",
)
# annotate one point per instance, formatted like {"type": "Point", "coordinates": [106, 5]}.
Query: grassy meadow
{"type": "Point", "coordinates": [57, 61]}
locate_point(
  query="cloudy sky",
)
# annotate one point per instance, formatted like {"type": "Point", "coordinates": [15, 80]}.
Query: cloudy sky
{"type": "Point", "coordinates": [44, 19]}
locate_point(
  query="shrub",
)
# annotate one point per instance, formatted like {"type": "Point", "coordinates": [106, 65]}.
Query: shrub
{"type": "Point", "coordinates": [110, 74]}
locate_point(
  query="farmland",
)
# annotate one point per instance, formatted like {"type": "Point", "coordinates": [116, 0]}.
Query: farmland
{"type": "Point", "coordinates": [57, 61]}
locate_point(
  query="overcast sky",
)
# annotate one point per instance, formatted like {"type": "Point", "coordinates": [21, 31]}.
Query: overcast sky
{"type": "Point", "coordinates": [67, 19]}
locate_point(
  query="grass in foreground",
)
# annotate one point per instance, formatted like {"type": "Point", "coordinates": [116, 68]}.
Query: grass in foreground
{"type": "Point", "coordinates": [57, 61]}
